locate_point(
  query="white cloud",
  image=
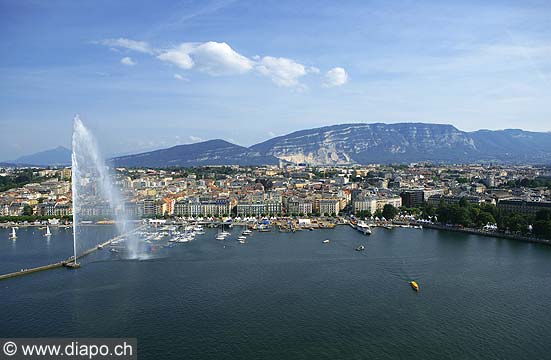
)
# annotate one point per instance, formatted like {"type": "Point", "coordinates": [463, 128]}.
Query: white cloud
{"type": "Point", "coordinates": [180, 77]}
{"type": "Point", "coordinates": [128, 61]}
{"type": "Point", "coordinates": [140, 46]}
{"type": "Point", "coordinates": [195, 139]}
{"type": "Point", "coordinates": [211, 57]}
{"type": "Point", "coordinates": [313, 70]}
{"type": "Point", "coordinates": [220, 59]}
{"type": "Point", "coordinates": [178, 56]}
{"type": "Point", "coordinates": [282, 71]}
{"type": "Point", "coordinates": [337, 76]}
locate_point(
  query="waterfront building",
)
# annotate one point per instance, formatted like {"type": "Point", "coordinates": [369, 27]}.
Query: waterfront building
{"type": "Point", "coordinates": [299, 206]}
{"type": "Point", "coordinates": [413, 198]}
{"type": "Point", "coordinates": [395, 201]}
{"type": "Point", "coordinates": [365, 204]}
{"type": "Point", "coordinates": [196, 207]}
{"type": "Point", "coordinates": [523, 206]}
{"type": "Point", "coordinates": [267, 207]}
{"type": "Point", "coordinates": [435, 200]}
{"type": "Point", "coordinates": [250, 209]}
{"type": "Point", "coordinates": [328, 206]}
{"type": "Point", "coordinates": [149, 207]}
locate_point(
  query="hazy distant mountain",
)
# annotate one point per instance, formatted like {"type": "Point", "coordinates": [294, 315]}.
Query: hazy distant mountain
{"type": "Point", "coordinates": [344, 144]}
{"type": "Point", "coordinates": [407, 142]}
{"type": "Point", "coordinates": [58, 156]}
{"type": "Point", "coordinates": [212, 152]}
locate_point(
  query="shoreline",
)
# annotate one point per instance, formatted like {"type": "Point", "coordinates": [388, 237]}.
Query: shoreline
{"type": "Point", "coordinates": [488, 234]}
{"type": "Point", "coordinates": [320, 224]}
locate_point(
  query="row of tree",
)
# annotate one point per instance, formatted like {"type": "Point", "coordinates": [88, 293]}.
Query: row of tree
{"type": "Point", "coordinates": [388, 212]}
{"type": "Point", "coordinates": [471, 215]}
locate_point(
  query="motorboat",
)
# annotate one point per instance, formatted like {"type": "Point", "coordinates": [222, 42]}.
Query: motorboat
{"type": "Point", "coordinates": [414, 285]}
{"type": "Point", "coordinates": [363, 228]}
{"type": "Point", "coordinates": [360, 248]}
{"type": "Point", "coordinates": [326, 241]}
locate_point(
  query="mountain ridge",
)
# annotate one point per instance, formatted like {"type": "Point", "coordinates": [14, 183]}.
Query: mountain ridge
{"type": "Point", "coordinates": [210, 152]}
{"type": "Point", "coordinates": [356, 143]}
{"type": "Point", "coordinates": [57, 156]}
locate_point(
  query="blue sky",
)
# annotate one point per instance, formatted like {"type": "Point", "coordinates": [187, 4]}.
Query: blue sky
{"type": "Point", "coordinates": [146, 75]}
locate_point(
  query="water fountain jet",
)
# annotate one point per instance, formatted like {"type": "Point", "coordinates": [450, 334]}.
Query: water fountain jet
{"type": "Point", "coordinates": [95, 196]}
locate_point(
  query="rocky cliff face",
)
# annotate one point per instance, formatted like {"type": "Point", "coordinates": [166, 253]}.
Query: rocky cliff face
{"type": "Point", "coordinates": [369, 143]}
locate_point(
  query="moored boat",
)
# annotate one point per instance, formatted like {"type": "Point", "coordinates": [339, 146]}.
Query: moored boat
{"type": "Point", "coordinates": [363, 228]}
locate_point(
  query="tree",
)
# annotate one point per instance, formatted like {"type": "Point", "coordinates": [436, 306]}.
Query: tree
{"type": "Point", "coordinates": [389, 211]}
{"type": "Point", "coordinates": [484, 218]}
{"type": "Point", "coordinates": [542, 228]}
{"type": "Point", "coordinates": [428, 211]}
{"type": "Point", "coordinates": [27, 210]}
{"type": "Point", "coordinates": [544, 215]}
{"type": "Point", "coordinates": [363, 213]}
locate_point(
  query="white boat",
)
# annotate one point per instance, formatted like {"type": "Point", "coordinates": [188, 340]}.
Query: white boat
{"type": "Point", "coordinates": [241, 239]}
{"type": "Point", "coordinates": [224, 233]}
{"type": "Point", "coordinates": [13, 234]}
{"type": "Point", "coordinates": [326, 241]}
{"type": "Point", "coordinates": [220, 237]}
{"type": "Point", "coordinates": [247, 232]}
{"type": "Point", "coordinates": [48, 233]}
{"type": "Point", "coordinates": [363, 228]}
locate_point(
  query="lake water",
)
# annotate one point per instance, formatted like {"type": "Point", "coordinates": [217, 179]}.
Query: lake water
{"type": "Point", "coordinates": [288, 296]}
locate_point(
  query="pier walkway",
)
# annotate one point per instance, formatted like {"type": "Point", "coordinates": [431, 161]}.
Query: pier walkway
{"type": "Point", "coordinates": [65, 263]}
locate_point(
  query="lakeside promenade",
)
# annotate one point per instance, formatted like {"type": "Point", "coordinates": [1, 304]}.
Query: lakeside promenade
{"type": "Point", "coordinates": [485, 233]}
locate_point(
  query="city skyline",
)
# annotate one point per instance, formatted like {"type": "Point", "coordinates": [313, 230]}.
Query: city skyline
{"type": "Point", "coordinates": [168, 74]}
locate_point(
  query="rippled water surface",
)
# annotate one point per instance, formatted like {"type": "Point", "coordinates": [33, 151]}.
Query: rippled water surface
{"type": "Point", "coordinates": [288, 296]}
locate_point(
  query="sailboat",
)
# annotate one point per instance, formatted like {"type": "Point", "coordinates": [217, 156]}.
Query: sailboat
{"type": "Point", "coordinates": [224, 233]}
{"type": "Point", "coordinates": [48, 233]}
{"type": "Point", "coordinates": [13, 234]}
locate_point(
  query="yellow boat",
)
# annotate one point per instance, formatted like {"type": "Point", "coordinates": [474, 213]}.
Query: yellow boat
{"type": "Point", "coordinates": [414, 285]}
